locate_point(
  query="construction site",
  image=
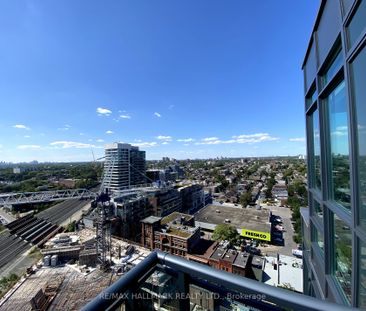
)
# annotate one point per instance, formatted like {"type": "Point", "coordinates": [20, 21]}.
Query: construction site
{"type": "Point", "coordinates": [73, 267]}
{"type": "Point", "coordinates": [70, 273]}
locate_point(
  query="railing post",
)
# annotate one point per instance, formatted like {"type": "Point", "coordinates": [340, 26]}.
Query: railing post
{"type": "Point", "coordinates": [130, 302]}
{"type": "Point", "coordinates": [183, 291]}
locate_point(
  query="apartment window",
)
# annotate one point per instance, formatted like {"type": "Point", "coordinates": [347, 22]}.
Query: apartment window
{"type": "Point", "coordinates": [362, 276]}
{"type": "Point", "coordinates": [343, 255]}
{"type": "Point", "coordinates": [333, 67]}
{"type": "Point", "coordinates": [357, 24]}
{"type": "Point", "coordinates": [359, 92]}
{"type": "Point", "coordinates": [339, 157]}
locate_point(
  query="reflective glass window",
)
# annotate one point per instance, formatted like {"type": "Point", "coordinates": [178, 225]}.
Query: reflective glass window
{"type": "Point", "coordinates": [332, 69]}
{"type": "Point", "coordinates": [357, 24]}
{"type": "Point", "coordinates": [318, 238]}
{"type": "Point", "coordinates": [339, 157]}
{"type": "Point", "coordinates": [316, 150]}
{"type": "Point", "coordinates": [359, 93]}
{"type": "Point", "coordinates": [343, 255]}
{"type": "Point", "coordinates": [318, 210]}
{"type": "Point", "coordinates": [362, 276]}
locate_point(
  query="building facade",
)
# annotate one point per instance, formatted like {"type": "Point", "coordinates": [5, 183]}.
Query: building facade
{"type": "Point", "coordinates": [166, 201]}
{"type": "Point", "coordinates": [130, 209]}
{"type": "Point", "coordinates": [334, 228]}
{"type": "Point", "coordinates": [124, 166]}
{"type": "Point", "coordinates": [174, 234]}
{"type": "Point", "coordinates": [193, 198]}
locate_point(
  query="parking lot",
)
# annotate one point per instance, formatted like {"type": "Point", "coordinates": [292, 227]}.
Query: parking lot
{"type": "Point", "coordinates": [289, 244]}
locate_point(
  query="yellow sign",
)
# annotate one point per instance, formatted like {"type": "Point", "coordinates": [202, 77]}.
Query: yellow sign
{"type": "Point", "coordinates": [258, 235]}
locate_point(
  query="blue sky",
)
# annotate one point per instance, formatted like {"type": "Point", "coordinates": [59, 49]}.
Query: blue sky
{"type": "Point", "coordinates": [183, 79]}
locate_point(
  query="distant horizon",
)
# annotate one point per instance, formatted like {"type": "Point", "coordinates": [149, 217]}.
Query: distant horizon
{"type": "Point", "coordinates": [161, 159]}
{"type": "Point", "coordinates": [192, 79]}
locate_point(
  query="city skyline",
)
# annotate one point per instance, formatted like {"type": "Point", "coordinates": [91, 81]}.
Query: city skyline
{"type": "Point", "coordinates": [180, 80]}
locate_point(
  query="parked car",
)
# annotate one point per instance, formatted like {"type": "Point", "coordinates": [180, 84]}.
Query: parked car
{"type": "Point", "coordinates": [277, 233]}
{"type": "Point", "coordinates": [278, 241]}
{"type": "Point", "coordinates": [279, 228]}
{"type": "Point", "coordinates": [297, 253]}
{"type": "Point", "coordinates": [253, 250]}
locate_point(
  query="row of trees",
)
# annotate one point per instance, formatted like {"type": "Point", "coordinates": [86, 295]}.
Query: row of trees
{"type": "Point", "coordinates": [42, 176]}
{"type": "Point", "coordinates": [297, 197]}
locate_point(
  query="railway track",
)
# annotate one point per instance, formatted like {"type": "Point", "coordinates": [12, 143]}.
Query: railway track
{"type": "Point", "coordinates": [35, 230]}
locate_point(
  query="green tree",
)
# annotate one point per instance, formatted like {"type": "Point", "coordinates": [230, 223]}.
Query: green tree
{"type": "Point", "coordinates": [226, 232]}
{"type": "Point", "coordinates": [245, 198]}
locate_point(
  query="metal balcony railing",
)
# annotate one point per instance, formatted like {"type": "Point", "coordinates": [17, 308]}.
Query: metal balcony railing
{"type": "Point", "coordinates": [173, 291]}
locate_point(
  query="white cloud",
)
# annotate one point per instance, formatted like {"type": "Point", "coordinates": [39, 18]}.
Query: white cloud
{"type": "Point", "coordinates": [146, 144]}
{"type": "Point", "coordinates": [109, 132]}
{"type": "Point", "coordinates": [70, 144]}
{"type": "Point", "coordinates": [21, 126]}
{"type": "Point", "coordinates": [103, 111]}
{"type": "Point", "coordinates": [165, 143]}
{"type": "Point", "coordinates": [23, 147]}
{"type": "Point", "coordinates": [254, 138]}
{"type": "Point", "coordinates": [100, 140]}
{"type": "Point", "coordinates": [165, 138]}
{"type": "Point", "coordinates": [171, 107]}
{"type": "Point", "coordinates": [297, 139]}
{"type": "Point", "coordinates": [1, 146]}
{"type": "Point", "coordinates": [239, 139]}
{"type": "Point", "coordinates": [339, 133]}
{"type": "Point", "coordinates": [216, 142]}
{"type": "Point", "coordinates": [342, 128]}
{"type": "Point", "coordinates": [157, 114]}
{"type": "Point", "coordinates": [125, 116]}
{"type": "Point", "coordinates": [209, 139]}
{"type": "Point", "coordinates": [26, 136]}
{"type": "Point", "coordinates": [186, 140]}
{"type": "Point", "coordinates": [66, 127]}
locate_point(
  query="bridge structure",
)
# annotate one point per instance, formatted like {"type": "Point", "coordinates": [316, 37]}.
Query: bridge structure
{"type": "Point", "coordinates": [9, 199]}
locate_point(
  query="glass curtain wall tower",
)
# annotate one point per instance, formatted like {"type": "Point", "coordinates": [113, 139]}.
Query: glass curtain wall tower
{"type": "Point", "coordinates": [334, 228]}
{"type": "Point", "coordinates": [124, 167]}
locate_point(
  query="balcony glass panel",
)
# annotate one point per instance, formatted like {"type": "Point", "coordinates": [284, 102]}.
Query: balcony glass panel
{"type": "Point", "coordinates": [339, 157]}
{"type": "Point", "coordinates": [165, 282]}
{"type": "Point", "coordinates": [343, 255]}
{"type": "Point", "coordinates": [359, 93]}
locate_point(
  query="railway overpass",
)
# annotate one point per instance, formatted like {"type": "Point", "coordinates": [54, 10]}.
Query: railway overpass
{"type": "Point", "coordinates": [9, 199]}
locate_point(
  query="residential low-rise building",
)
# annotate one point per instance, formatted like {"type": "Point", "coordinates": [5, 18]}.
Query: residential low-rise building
{"type": "Point", "coordinates": [174, 234]}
